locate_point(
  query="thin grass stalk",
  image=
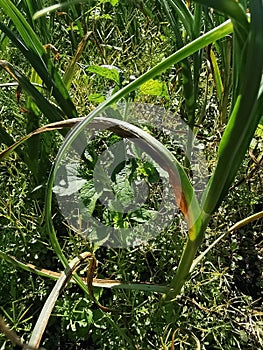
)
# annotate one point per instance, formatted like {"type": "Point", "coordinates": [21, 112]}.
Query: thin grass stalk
{"type": "Point", "coordinates": [187, 78]}
{"type": "Point", "coordinates": [190, 72]}
{"type": "Point", "coordinates": [44, 24]}
{"type": "Point", "coordinates": [197, 57]}
{"type": "Point", "coordinates": [233, 228]}
{"type": "Point", "coordinates": [184, 14]}
{"type": "Point", "coordinates": [223, 49]}
{"type": "Point", "coordinates": [34, 146]}
{"type": "Point", "coordinates": [234, 10]}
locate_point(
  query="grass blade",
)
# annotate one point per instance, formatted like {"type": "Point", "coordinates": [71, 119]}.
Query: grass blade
{"type": "Point", "coordinates": [52, 112]}
{"type": "Point", "coordinates": [27, 33]}
{"type": "Point", "coordinates": [56, 7]}
{"type": "Point", "coordinates": [33, 50]}
{"type": "Point", "coordinates": [243, 120]}
{"type": "Point", "coordinates": [231, 8]}
{"type": "Point", "coordinates": [69, 73]}
{"type": "Point", "coordinates": [184, 14]}
{"type": "Point", "coordinates": [216, 74]}
{"type": "Point", "coordinates": [50, 127]}
{"type": "Point", "coordinates": [44, 316]}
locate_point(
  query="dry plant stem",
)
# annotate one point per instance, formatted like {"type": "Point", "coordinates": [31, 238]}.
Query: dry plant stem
{"type": "Point", "coordinates": [187, 263]}
{"type": "Point", "coordinates": [12, 336]}
{"type": "Point", "coordinates": [49, 127]}
{"type": "Point", "coordinates": [96, 282]}
{"type": "Point", "coordinates": [236, 226]}
{"type": "Point", "coordinates": [51, 300]}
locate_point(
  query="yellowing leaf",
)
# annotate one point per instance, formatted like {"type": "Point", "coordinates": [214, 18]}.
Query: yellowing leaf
{"type": "Point", "coordinates": [98, 98]}
{"type": "Point", "coordinates": [154, 88]}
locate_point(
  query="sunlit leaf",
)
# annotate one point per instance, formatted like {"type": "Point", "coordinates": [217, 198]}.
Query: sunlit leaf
{"type": "Point", "coordinates": [154, 88]}
{"type": "Point", "coordinates": [98, 98]}
{"type": "Point", "coordinates": [106, 71]}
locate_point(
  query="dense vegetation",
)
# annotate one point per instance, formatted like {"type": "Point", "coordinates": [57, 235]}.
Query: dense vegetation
{"type": "Point", "coordinates": [178, 85]}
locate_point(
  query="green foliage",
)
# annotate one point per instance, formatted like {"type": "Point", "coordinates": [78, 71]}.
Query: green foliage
{"type": "Point", "coordinates": [64, 73]}
{"type": "Point", "coordinates": [154, 88]}
{"type": "Point", "coordinates": [108, 72]}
